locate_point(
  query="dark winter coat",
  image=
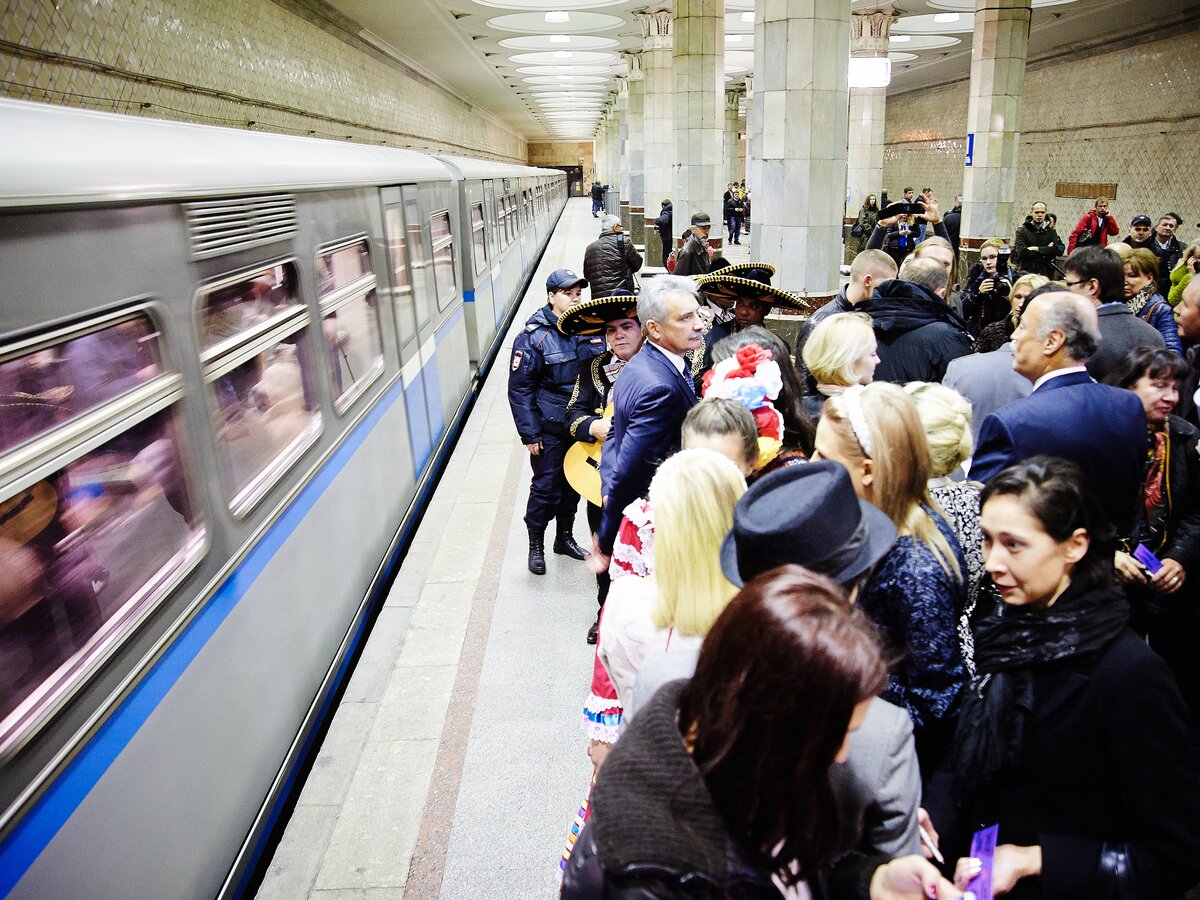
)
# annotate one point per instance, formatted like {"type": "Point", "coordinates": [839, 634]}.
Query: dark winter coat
{"type": "Point", "coordinates": [609, 263]}
{"type": "Point", "coordinates": [917, 333]}
{"type": "Point", "coordinates": [663, 224]}
{"type": "Point", "coordinates": [692, 258]}
{"type": "Point", "coordinates": [1035, 249]}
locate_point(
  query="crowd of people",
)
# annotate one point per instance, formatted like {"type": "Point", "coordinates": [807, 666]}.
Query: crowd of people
{"type": "Point", "coordinates": [861, 599]}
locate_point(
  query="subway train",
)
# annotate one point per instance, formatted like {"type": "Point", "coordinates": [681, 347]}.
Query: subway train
{"type": "Point", "coordinates": [232, 365]}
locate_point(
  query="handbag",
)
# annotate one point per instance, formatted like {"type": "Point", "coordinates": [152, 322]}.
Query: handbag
{"type": "Point", "coordinates": [857, 230]}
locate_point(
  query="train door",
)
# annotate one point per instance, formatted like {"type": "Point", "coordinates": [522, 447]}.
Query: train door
{"type": "Point", "coordinates": [410, 302]}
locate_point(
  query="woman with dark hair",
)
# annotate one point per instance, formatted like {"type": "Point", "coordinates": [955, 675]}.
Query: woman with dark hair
{"type": "Point", "coordinates": [720, 787]}
{"type": "Point", "coordinates": [1164, 602]}
{"type": "Point", "coordinates": [1073, 737]}
{"type": "Point", "coordinates": [798, 430]}
{"type": "Point", "coordinates": [1144, 300]}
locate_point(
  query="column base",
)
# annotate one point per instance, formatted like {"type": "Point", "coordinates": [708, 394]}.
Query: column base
{"type": "Point", "coordinates": [654, 254]}
{"type": "Point", "coordinates": [626, 220]}
{"type": "Point", "coordinates": [637, 224]}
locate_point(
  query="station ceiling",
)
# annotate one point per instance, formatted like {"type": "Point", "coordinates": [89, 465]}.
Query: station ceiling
{"type": "Point", "coordinates": [545, 67]}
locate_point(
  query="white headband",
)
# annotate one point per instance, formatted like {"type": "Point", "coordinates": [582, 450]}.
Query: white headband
{"type": "Point", "coordinates": [851, 398]}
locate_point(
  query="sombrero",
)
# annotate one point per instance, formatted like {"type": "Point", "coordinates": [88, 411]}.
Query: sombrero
{"type": "Point", "coordinates": [725, 286]}
{"type": "Point", "coordinates": [591, 316]}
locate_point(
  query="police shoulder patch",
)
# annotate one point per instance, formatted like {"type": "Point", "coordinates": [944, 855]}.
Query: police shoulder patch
{"type": "Point", "coordinates": [517, 356]}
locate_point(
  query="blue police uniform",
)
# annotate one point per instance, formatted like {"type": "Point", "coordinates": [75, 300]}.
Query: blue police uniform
{"type": "Point", "coordinates": [545, 364]}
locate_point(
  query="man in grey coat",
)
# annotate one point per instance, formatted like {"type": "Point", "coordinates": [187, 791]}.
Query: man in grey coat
{"type": "Point", "coordinates": [988, 381]}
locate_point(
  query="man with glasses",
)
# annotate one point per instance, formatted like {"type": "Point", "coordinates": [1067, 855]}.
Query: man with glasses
{"type": "Point", "coordinates": [693, 258]}
{"type": "Point", "coordinates": [1097, 274]}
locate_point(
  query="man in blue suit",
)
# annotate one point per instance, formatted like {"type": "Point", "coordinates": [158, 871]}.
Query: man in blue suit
{"type": "Point", "coordinates": [650, 400]}
{"type": "Point", "coordinates": [1101, 428]}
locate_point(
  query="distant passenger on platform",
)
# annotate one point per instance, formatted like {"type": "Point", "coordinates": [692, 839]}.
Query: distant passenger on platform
{"type": "Point", "coordinates": [1187, 316]}
{"type": "Point", "coordinates": [545, 364]}
{"type": "Point", "coordinates": [1168, 248]}
{"type": "Point", "coordinates": [1098, 275]}
{"type": "Point", "coordinates": [988, 287]}
{"type": "Point", "coordinates": [610, 261]}
{"type": "Point", "coordinates": [953, 223]}
{"type": "Point", "coordinates": [1099, 427]}
{"type": "Point", "coordinates": [724, 781]}
{"type": "Point", "coordinates": [693, 257]}
{"type": "Point", "coordinates": [918, 333]}
{"type": "Point", "coordinates": [651, 399]}
{"type": "Point", "coordinates": [995, 335]}
{"type": "Point", "coordinates": [735, 211]}
{"type": "Point", "coordinates": [898, 231]}
{"type": "Point", "coordinates": [588, 419]}
{"type": "Point", "coordinates": [918, 590]}
{"type": "Point", "coordinates": [1037, 244]}
{"type": "Point", "coordinates": [1140, 232]}
{"type": "Point", "coordinates": [1095, 227]}
{"type": "Point", "coordinates": [664, 225]}
{"type": "Point", "coordinates": [597, 193]}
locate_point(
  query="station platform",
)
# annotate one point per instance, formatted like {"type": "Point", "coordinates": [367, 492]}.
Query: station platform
{"type": "Point", "coordinates": [455, 763]}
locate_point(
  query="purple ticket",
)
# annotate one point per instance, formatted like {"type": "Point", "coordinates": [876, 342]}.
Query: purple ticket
{"type": "Point", "coordinates": [983, 848]}
{"type": "Point", "coordinates": [1146, 557]}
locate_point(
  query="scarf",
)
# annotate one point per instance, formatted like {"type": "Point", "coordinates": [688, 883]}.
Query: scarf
{"type": "Point", "coordinates": [1139, 300]}
{"type": "Point", "coordinates": [1011, 642]}
{"type": "Point", "coordinates": [1157, 503]}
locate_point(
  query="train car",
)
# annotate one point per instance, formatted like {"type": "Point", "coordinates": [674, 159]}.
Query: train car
{"type": "Point", "coordinates": [231, 366]}
{"type": "Point", "coordinates": [505, 220]}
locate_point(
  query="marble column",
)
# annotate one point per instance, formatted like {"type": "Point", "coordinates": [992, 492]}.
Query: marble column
{"type": "Point", "coordinates": [658, 138]}
{"type": "Point", "coordinates": [733, 99]}
{"type": "Point", "coordinates": [750, 162]}
{"type": "Point", "coordinates": [622, 109]}
{"type": "Point", "coordinates": [798, 129]}
{"type": "Point", "coordinates": [637, 158]}
{"type": "Point", "coordinates": [864, 156]}
{"type": "Point", "coordinates": [698, 62]}
{"type": "Point", "coordinates": [998, 55]}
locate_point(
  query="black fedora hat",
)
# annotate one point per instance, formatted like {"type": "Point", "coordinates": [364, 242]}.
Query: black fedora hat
{"type": "Point", "coordinates": [806, 515]}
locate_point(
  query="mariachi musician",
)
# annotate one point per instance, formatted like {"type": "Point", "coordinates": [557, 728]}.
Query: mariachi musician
{"type": "Point", "coordinates": [588, 418]}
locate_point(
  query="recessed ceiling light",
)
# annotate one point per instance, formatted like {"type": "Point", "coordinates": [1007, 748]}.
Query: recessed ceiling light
{"type": "Point", "coordinates": [900, 38]}
{"type": "Point", "coordinates": [561, 54]}
{"type": "Point", "coordinates": [563, 77]}
{"type": "Point", "coordinates": [557, 15]}
{"type": "Point", "coordinates": [945, 18]}
{"type": "Point", "coordinates": [560, 39]}
{"type": "Point", "coordinates": [748, 16]}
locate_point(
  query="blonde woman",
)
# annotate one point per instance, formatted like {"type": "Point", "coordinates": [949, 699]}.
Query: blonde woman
{"type": "Point", "coordinates": [840, 352]}
{"type": "Point", "coordinates": [917, 592]}
{"type": "Point", "coordinates": [946, 417]}
{"type": "Point", "coordinates": [996, 335]}
{"type": "Point", "coordinates": [693, 495]}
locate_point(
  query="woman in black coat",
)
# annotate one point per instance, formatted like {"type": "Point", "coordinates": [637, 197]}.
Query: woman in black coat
{"type": "Point", "coordinates": [1074, 737]}
{"type": "Point", "coordinates": [720, 787]}
{"type": "Point", "coordinates": [1164, 602]}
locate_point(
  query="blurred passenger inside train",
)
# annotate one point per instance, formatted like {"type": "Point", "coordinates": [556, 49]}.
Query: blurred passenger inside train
{"type": "Point", "coordinates": [1164, 599]}
{"type": "Point", "coordinates": [724, 780]}
{"type": "Point", "coordinates": [918, 591]}
{"type": "Point", "coordinates": [1074, 737]}
{"type": "Point", "coordinates": [841, 352]}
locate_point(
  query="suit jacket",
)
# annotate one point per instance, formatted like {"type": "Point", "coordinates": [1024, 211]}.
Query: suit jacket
{"type": "Point", "coordinates": [1101, 428]}
{"type": "Point", "coordinates": [650, 401]}
{"type": "Point", "coordinates": [988, 381]}
{"type": "Point", "coordinates": [1120, 332]}
{"type": "Point", "coordinates": [878, 787]}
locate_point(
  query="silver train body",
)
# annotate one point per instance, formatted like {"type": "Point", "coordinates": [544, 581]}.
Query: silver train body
{"type": "Point", "coordinates": [231, 367]}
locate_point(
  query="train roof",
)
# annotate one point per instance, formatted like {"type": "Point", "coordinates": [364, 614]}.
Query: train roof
{"type": "Point", "coordinates": [57, 156]}
{"type": "Point", "coordinates": [471, 169]}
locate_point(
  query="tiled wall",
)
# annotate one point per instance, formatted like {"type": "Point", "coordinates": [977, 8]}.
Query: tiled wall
{"type": "Point", "coordinates": [294, 67]}
{"type": "Point", "coordinates": [562, 153]}
{"type": "Point", "coordinates": [1130, 116]}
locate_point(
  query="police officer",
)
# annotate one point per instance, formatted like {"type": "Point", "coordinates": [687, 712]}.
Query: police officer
{"type": "Point", "coordinates": [545, 364]}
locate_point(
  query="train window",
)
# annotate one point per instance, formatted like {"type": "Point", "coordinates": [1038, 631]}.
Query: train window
{"type": "Point", "coordinates": [262, 394]}
{"type": "Point", "coordinates": [245, 307]}
{"type": "Point", "coordinates": [401, 287]}
{"type": "Point", "coordinates": [478, 245]}
{"type": "Point", "coordinates": [443, 258]}
{"type": "Point", "coordinates": [48, 386]}
{"type": "Point", "coordinates": [350, 319]}
{"type": "Point", "coordinates": [418, 254]}
{"type": "Point", "coordinates": [489, 208]}
{"type": "Point", "coordinates": [96, 521]}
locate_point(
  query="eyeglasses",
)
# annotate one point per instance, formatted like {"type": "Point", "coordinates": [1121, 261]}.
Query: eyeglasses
{"type": "Point", "coordinates": [1074, 283]}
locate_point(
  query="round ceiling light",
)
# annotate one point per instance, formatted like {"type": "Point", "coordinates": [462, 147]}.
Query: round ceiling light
{"type": "Point", "coordinates": [536, 23]}
{"type": "Point", "coordinates": [559, 41]}
{"type": "Point", "coordinates": [559, 79]}
{"type": "Point", "coordinates": [924, 41]}
{"type": "Point", "coordinates": [927, 25]}
{"type": "Point", "coordinates": [565, 57]}
{"type": "Point", "coordinates": [545, 6]}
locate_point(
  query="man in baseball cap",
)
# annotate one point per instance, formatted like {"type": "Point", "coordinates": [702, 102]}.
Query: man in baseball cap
{"type": "Point", "coordinates": [564, 280]}
{"type": "Point", "coordinates": [1139, 232]}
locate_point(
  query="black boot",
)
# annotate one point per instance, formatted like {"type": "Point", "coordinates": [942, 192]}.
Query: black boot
{"type": "Point", "coordinates": [537, 551]}
{"type": "Point", "coordinates": [594, 632]}
{"type": "Point", "coordinates": [564, 543]}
